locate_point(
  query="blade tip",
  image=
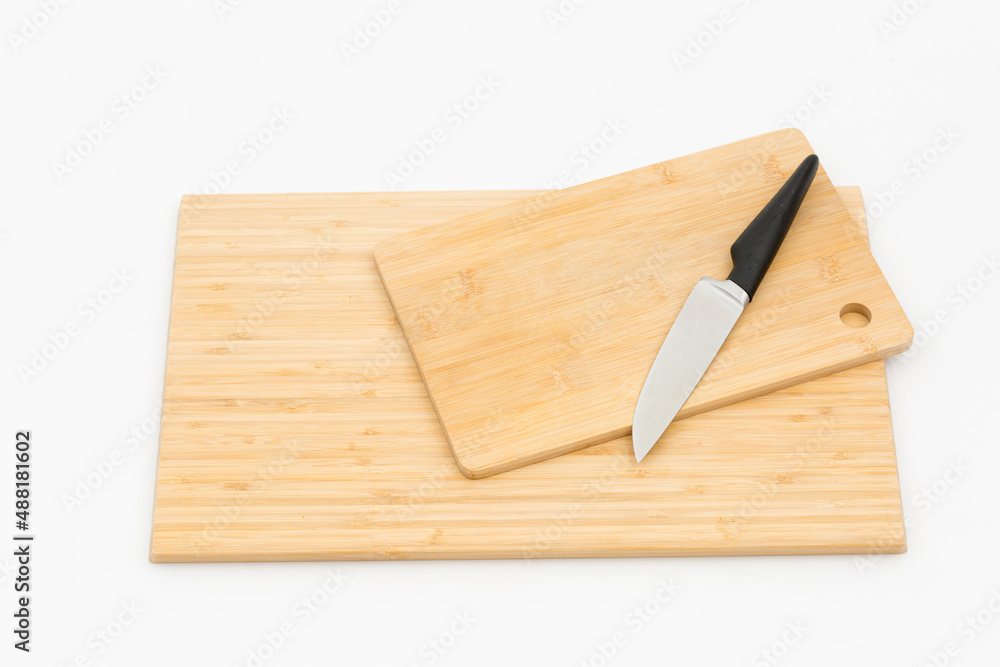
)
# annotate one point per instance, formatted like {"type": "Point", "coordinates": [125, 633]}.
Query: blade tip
{"type": "Point", "coordinates": [641, 446]}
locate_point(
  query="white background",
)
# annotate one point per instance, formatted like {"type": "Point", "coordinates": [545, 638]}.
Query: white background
{"type": "Point", "coordinates": [883, 97]}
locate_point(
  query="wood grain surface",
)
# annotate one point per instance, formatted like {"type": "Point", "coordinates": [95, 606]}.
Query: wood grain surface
{"type": "Point", "coordinates": [534, 325]}
{"type": "Point", "coordinates": [296, 426]}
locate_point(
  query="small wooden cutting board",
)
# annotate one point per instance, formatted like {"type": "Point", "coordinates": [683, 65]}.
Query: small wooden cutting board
{"type": "Point", "coordinates": [296, 427]}
{"type": "Point", "coordinates": [534, 324]}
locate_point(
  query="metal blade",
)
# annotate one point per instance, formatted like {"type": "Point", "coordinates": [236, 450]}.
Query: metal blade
{"type": "Point", "coordinates": [700, 329]}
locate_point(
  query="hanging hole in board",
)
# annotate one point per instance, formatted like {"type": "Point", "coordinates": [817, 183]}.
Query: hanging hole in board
{"type": "Point", "coordinates": [855, 315]}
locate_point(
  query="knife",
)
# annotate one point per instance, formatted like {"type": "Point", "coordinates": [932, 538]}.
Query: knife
{"type": "Point", "coordinates": [711, 311]}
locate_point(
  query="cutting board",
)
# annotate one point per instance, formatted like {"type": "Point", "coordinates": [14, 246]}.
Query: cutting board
{"type": "Point", "coordinates": [534, 324]}
{"type": "Point", "coordinates": [296, 426]}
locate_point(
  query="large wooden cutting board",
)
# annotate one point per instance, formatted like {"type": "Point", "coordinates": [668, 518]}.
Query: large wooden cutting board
{"type": "Point", "coordinates": [534, 324]}
{"type": "Point", "coordinates": [296, 426]}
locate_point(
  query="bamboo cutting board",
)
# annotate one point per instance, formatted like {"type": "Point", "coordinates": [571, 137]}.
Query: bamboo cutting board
{"type": "Point", "coordinates": [296, 426]}
{"type": "Point", "coordinates": [534, 324]}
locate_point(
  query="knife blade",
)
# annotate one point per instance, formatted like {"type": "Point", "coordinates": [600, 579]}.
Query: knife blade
{"type": "Point", "coordinates": [711, 312]}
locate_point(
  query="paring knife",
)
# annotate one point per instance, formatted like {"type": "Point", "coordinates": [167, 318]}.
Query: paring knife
{"type": "Point", "coordinates": [711, 311]}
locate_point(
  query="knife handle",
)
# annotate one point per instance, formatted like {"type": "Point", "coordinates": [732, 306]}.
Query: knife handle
{"type": "Point", "coordinates": [756, 247]}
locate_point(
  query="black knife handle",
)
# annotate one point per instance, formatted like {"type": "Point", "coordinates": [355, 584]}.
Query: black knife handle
{"type": "Point", "coordinates": [756, 247]}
